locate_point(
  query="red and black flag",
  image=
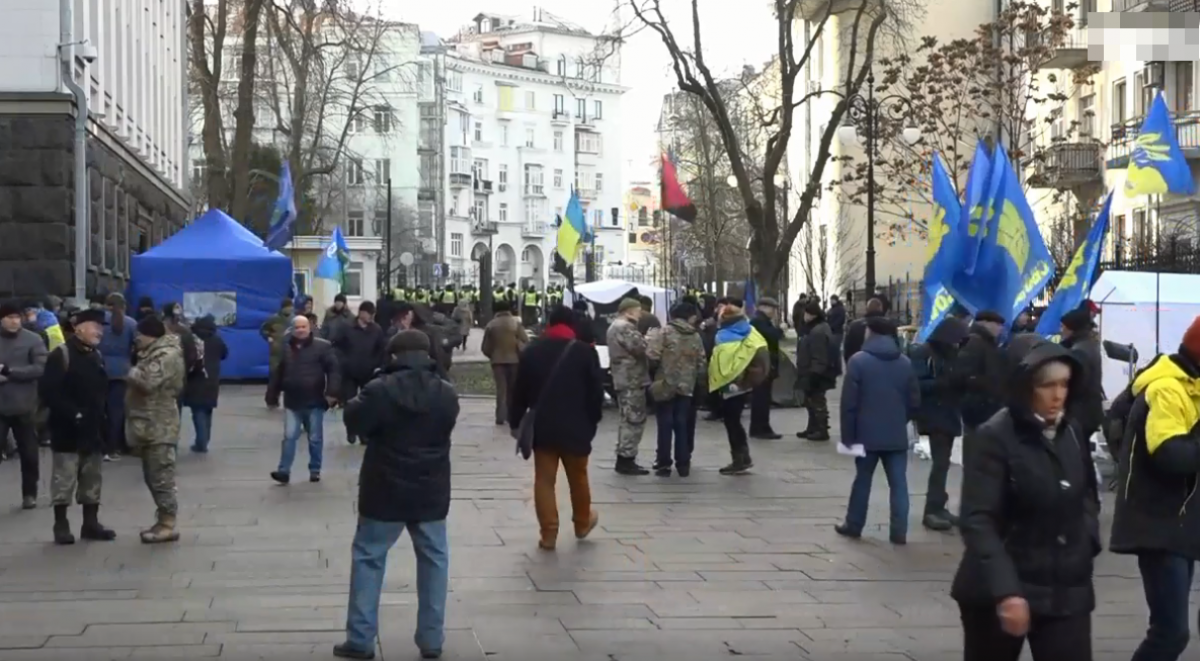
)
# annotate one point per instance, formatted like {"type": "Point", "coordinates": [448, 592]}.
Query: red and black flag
{"type": "Point", "coordinates": [674, 200]}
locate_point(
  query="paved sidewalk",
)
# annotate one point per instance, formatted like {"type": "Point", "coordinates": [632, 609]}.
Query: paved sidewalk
{"type": "Point", "coordinates": [701, 569]}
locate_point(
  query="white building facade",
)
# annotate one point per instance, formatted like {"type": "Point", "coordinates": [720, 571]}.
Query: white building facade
{"type": "Point", "coordinates": [128, 59]}
{"type": "Point", "coordinates": [528, 110]}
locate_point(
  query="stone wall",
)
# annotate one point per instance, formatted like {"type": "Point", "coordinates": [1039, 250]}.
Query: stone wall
{"type": "Point", "coordinates": [129, 213]}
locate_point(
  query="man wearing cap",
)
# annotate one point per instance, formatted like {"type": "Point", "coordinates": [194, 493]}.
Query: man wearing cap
{"type": "Point", "coordinates": [153, 386]}
{"type": "Point", "coordinates": [360, 348]}
{"type": "Point", "coordinates": [22, 361]}
{"type": "Point", "coordinates": [74, 389]}
{"type": "Point", "coordinates": [631, 376]}
{"type": "Point", "coordinates": [760, 399]}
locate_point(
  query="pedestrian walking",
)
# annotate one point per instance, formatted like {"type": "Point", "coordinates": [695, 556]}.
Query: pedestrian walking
{"type": "Point", "coordinates": [939, 417]}
{"type": "Point", "coordinates": [765, 323]}
{"type": "Point", "coordinates": [337, 314]}
{"type": "Point", "coordinates": [816, 371]}
{"type": "Point", "coordinates": [203, 388]}
{"type": "Point", "coordinates": [22, 363]}
{"type": "Point", "coordinates": [836, 317]}
{"type": "Point", "coordinates": [503, 339]}
{"type": "Point", "coordinates": [630, 374]}
{"type": "Point", "coordinates": [360, 346]}
{"type": "Point", "coordinates": [879, 396]}
{"type": "Point", "coordinates": [982, 372]}
{"type": "Point", "coordinates": [308, 377]}
{"type": "Point", "coordinates": [1155, 517]}
{"type": "Point", "coordinates": [464, 317]}
{"type": "Point", "coordinates": [273, 329]}
{"type": "Point", "coordinates": [74, 389]}
{"type": "Point", "coordinates": [856, 332]}
{"type": "Point", "coordinates": [1080, 336]}
{"type": "Point", "coordinates": [739, 364]}
{"type": "Point", "coordinates": [679, 353]}
{"type": "Point", "coordinates": [405, 417]}
{"type": "Point", "coordinates": [559, 382]}
{"type": "Point", "coordinates": [1030, 522]}
{"type": "Point", "coordinates": [155, 384]}
{"type": "Point", "coordinates": [116, 348]}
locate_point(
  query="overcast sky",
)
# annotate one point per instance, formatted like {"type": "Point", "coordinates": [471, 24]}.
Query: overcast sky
{"type": "Point", "coordinates": [735, 33]}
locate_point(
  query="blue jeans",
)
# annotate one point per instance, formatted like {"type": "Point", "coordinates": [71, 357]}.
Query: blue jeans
{"type": "Point", "coordinates": [895, 466]}
{"type": "Point", "coordinates": [202, 420]}
{"type": "Point", "coordinates": [1167, 581]}
{"type": "Point", "coordinates": [673, 418]}
{"type": "Point", "coordinates": [372, 541]}
{"type": "Point", "coordinates": [312, 422]}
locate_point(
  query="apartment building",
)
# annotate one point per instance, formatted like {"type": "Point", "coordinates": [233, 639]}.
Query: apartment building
{"type": "Point", "coordinates": [120, 64]}
{"type": "Point", "coordinates": [514, 114]}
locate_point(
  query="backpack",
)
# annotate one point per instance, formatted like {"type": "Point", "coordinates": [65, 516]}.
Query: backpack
{"type": "Point", "coordinates": [1118, 413]}
{"type": "Point", "coordinates": [193, 354]}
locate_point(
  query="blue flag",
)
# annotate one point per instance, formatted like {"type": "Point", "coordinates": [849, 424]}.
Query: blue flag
{"type": "Point", "coordinates": [335, 259]}
{"type": "Point", "coordinates": [1156, 164]}
{"type": "Point", "coordinates": [941, 255]}
{"type": "Point", "coordinates": [1081, 273]}
{"type": "Point", "coordinates": [749, 296]}
{"type": "Point", "coordinates": [283, 219]}
{"type": "Point", "coordinates": [984, 182]}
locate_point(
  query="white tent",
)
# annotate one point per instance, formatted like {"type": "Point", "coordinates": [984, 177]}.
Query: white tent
{"type": "Point", "coordinates": [1134, 306]}
{"type": "Point", "coordinates": [611, 291]}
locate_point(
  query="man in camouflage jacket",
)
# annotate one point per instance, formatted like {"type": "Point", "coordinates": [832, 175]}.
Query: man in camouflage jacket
{"type": "Point", "coordinates": [152, 419]}
{"type": "Point", "coordinates": [682, 363]}
{"type": "Point", "coordinates": [631, 375]}
{"type": "Point", "coordinates": [273, 330]}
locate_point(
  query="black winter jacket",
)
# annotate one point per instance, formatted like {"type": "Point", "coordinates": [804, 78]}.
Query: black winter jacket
{"type": "Point", "coordinates": [308, 373]}
{"type": "Point", "coordinates": [204, 387]}
{"type": "Point", "coordinates": [75, 391]}
{"type": "Point", "coordinates": [568, 422]}
{"type": "Point", "coordinates": [836, 316]}
{"type": "Point", "coordinates": [360, 350]}
{"type": "Point", "coordinates": [1030, 506]}
{"type": "Point", "coordinates": [856, 334]}
{"type": "Point", "coordinates": [934, 363]}
{"type": "Point", "coordinates": [1086, 346]}
{"type": "Point", "coordinates": [772, 334]}
{"type": "Point", "coordinates": [406, 416]}
{"type": "Point", "coordinates": [982, 372]}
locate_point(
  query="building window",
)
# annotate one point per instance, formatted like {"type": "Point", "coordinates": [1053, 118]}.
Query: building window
{"type": "Point", "coordinates": [454, 81]}
{"type": "Point", "coordinates": [1120, 114]}
{"type": "Point", "coordinates": [477, 95]}
{"type": "Point", "coordinates": [354, 172]}
{"type": "Point", "coordinates": [598, 253]}
{"type": "Point", "coordinates": [558, 177]}
{"type": "Point", "coordinates": [502, 181]}
{"type": "Point", "coordinates": [599, 181]}
{"type": "Point", "coordinates": [199, 168]}
{"type": "Point", "coordinates": [353, 279]}
{"type": "Point", "coordinates": [1087, 116]}
{"type": "Point", "coordinates": [587, 142]}
{"type": "Point", "coordinates": [479, 211]}
{"type": "Point", "coordinates": [300, 280]}
{"type": "Point", "coordinates": [580, 108]}
{"type": "Point", "coordinates": [1119, 239]}
{"type": "Point", "coordinates": [558, 141]}
{"type": "Point", "coordinates": [478, 131]}
{"type": "Point", "coordinates": [597, 218]}
{"type": "Point", "coordinates": [1183, 87]}
{"type": "Point", "coordinates": [505, 99]}
{"type": "Point", "coordinates": [561, 66]}
{"type": "Point", "coordinates": [529, 136]}
{"type": "Point", "coordinates": [504, 135]}
{"type": "Point", "coordinates": [458, 161]}
{"type": "Point", "coordinates": [560, 106]}
{"type": "Point", "coordinates": [531, 101]}
{"type": "Point", "coordinates": [358, 123]}
{"type": "Point", "coordinates": [1141, 234]}
{"type": "Point", "coordinates": [502, 212]}
{"type": "Point", "coordinates": [534, 211]}
{"type": "Point", "coordinates": [383, 119]}
{"type": "Point", "coordinates": [526, 255]}
{"type": "Point", "coordinates": [533, 180]}
{"type": "Point", "coordinates": [383, 170]}
{"type": "Point", "coordinates": [643, 217]}
{"type": "Point", "coordinates": [352, 68]}
{"type": "Point", "coordinates": [597, 109]}
{"type": "Point", "coordinates": [1056, 126]}
{"type": "Point", "coordinates": [480, 169]}
{"type": "Point", "coordinates": [355, 223]}
{"type": "Point", "coordinates": [456, 244]}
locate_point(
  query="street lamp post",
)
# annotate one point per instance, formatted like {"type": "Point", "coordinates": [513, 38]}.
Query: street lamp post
{"type": "Point", "coordinates": [863, 115]}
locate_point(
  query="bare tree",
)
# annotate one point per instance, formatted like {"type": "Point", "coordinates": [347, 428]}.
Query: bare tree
{"type": "Point", "coordinates": [819, 248]}
{"type": "Point", "coordinates": [868, 23]}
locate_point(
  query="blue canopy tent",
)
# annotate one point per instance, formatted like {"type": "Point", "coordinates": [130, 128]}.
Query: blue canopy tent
{"type": "Point", "coordinates": [216, 266]}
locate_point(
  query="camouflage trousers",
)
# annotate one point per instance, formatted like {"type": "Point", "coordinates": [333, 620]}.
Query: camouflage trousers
{"type": "Point", "coordinates": [76, 475]}
{"type": "Point", "coordinates": [632, 404]}
{"type": "Point", "coordinates": [158, 469]}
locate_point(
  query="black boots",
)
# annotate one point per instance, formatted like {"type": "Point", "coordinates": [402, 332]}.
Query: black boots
{"type": "Point", "coordinates": [740, 465]}
{"type": "Point", "coordinates": [629, 466]}
{"type": "Point", "coordinates": [62, 527]}
{"type": "Point", "coordinates": [91, 528]}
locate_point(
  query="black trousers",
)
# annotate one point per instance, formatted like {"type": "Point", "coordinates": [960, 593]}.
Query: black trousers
{"type": "Point", "coordinates": [760, 408]}
{"type": "Point", "coordinates": [1050, 638]}
{"type": "Point", "coordinates": [24, 432]}
{"type": "Point", "coordinates": [731, 415]}
{"type": "Point", "coordinates": [817, 404]}
{"type": "Point", "coordinates": [941, 445]}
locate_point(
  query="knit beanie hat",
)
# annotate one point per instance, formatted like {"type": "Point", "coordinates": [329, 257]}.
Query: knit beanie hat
{"type": "Point", "coordinates": [408, 340]}
{"type": "Point", "coordinates": [1191, 340]}
{"type": "Point", "coordinates": [8, 308]}
{"type": "Point", "coordinates": [881, 326]}
{"type": "Point", "coordinates": [151, 326]}
{"type": "Point", "coordinates": [1077, 320]}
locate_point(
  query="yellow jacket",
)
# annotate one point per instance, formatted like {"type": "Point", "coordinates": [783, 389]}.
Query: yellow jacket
{"type": "Point", "coordinates": [1174, 400]}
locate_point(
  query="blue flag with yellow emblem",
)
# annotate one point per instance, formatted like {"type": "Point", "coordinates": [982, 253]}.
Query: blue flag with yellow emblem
{"type": "Point", "coordinates": [1013, 264]}
{"type": "Point", "coordinates": [1156, 164]}
{"type": "Point", "coordinates": [940, 256]}
{"type": "Point", "coordinates": [984, 182]}
{"type": "Point", "coordinates": [1077, 281]}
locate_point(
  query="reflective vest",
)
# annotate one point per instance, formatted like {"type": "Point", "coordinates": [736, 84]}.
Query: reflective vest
{"type": "Point", "coordinates": [399, 295]}
{"type": "Point", "coordinates": [531, 299]}
{"type": "Point", "coordinates": [421, 297]}
{"type": "Point", "coordinates": [448, 297]}
{"type": "Point", "coordinates": [510, 294]}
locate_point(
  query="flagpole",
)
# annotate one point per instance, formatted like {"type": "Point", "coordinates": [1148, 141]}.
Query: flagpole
{"type": "Point", "coordinates": [1157, 278]}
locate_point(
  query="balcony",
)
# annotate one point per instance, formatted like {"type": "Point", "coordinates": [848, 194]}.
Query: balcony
{"type": "Point", "coordinates": [535, 230]}
{"type": "Point", "coordinates": [1187, 132]}
{"type": "Point", "coordinates": [1071, 53]}
{"type": "Point", "coordinates": [1068, 165]}
{"type": "Point", "coordinates": [460, 179]}
{"type": "Point", "coordinates": [426, 194]}
{"type": "Point", "coordinates": [1140, 5]}
{"type": "Point", "coordinates": [483, 186]}
{"type": "Point", "coordinates": [587, 193]}
{"type": "Point", "coordinates": [560, 118]}
{"type": "Point", "coordinates": [535, 190]}
{"type": "Point", "coordinates": [484, 227]}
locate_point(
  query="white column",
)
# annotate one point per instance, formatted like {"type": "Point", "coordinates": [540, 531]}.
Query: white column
{"type": "Point", "coordinates": [129, 132]}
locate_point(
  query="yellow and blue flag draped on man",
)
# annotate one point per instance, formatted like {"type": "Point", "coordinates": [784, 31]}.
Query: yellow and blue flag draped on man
{"type": "Point", "coordinates": [733, 352]}
{"type": "Point", "coordinates": [573, 231]}
{"type": "Point", "coordinates": [1013, 265]}
{"type": "Point", "coordinates": [1081, 273]}
{"type": "Point", "coordinates": [1156, 164]}
{"type": "Point", "coordinates": [939, 256]}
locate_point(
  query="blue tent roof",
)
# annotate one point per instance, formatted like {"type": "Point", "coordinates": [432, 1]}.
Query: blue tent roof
{"type": "Point", "coordinates": [213, 236]}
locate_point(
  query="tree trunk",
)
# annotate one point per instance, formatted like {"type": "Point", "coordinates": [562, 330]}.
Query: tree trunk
{"type": "Point", "coordinates": [244, 115]}
{"type": "Point", "coordinates": [216, 184]}
{"type": "Point", "coordinates": [763, 265]}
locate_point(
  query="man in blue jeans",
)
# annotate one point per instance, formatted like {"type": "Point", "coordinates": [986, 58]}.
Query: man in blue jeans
{"type": "Point", "coordinates": [879, 397]}
{"type": "Point", "coordinates": [308, 377]}
{"type": "Point", "coordinates": [1157, 517]}
{"type": "Point", "coordinates": [405, 417]}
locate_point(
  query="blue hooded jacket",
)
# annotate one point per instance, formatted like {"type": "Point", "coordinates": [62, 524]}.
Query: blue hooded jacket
{"type": "Point", "coordinates": [117, 348]}
{"type": "Point", "coordinates": [880, 395]}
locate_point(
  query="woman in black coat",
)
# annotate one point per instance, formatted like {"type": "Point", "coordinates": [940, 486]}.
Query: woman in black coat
{"type": "Point", "coordinates": [203, 386]}
{"type": "Point", "coordinates": [1029, 520]}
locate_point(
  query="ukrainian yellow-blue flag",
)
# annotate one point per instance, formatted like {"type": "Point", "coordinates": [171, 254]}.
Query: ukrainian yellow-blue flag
{"type": "Point", "coordinates": [572, 231]}
{"type": "Point", "coordinates": [941, 254]}
{"type": "Point", "coordinates": [1156, 164]}
{"type": "Point", "coordinates": [1076, 283]}
{"type": "Point", "coordinates": [984, 183]}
